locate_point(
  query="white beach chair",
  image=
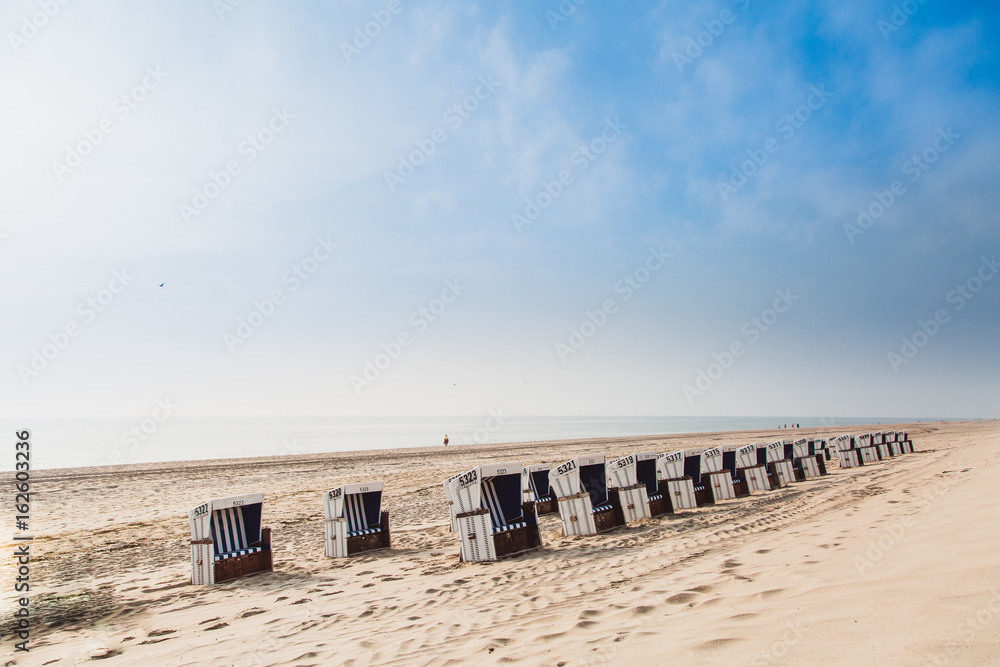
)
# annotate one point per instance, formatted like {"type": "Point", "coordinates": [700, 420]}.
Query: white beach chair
{"type": "Point", "coordinates": [754, 472]}
{"type": "Point", "coordinates": [585, 506]}
{"type": "Point", "coordinates": [355, 521]}
{"type": "Point", "coordinates": [693, 469]}
{"type": "Point", "coordinates": [805, 463]}
{"type": "Point", "coordinates": [778, 465]}
{"type": "Point", "coordinates": [493, 519]}
{"type": "Point", "coordinates": [730, 462]}
{"type": "Point", "coordinates": [718, 480]}
{"type": "Point", "coordinates": [677, 489]}
{"type": "Point", "coordinates": [634, 478]}
{"type": "Point", "coordinates": [227, 539]}
{"type": "Point", "coordinates": [537, 489]}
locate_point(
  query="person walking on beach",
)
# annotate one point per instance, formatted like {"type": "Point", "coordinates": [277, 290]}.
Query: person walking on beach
{"type": "Point", "coordinates": [445, 439]}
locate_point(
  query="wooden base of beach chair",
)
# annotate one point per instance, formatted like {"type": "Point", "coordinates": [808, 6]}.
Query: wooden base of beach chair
{"type": "Point", "coordinates": [720, 485]}
{"type": "Point", "coordinates": [520, 540]}
{"type": "Point", "coordinates": [808, 467]}
{"type": "Point", "coordinates": [610, 518]}
{"type": "Point", "coordinates": [550, 506]}
{"type": "Point", "coordinates": [781, 473]}
{"type": "Point", "coordinates": [659, 504]}
{"type": "Point", "coordinates": [703, 494]}
{"type": "Point", "coordinates": [634, 502]}
{"type": "Point", "coordinates": [480, 543]}
{"type": "Point", "coordinates": [240, 566]}
{"type": "Point", "coordinates": [755, 477]}
{"type": "Point", "coordinates": [372, 541]}
{"type": "Point", "coordinates": [678, 494]}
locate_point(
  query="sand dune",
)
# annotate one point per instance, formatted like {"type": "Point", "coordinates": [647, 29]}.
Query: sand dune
{"type": "Point", "coordinates": [894, 563]}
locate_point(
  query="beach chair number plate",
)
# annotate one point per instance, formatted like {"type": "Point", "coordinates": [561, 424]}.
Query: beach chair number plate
{"type": "Point", "coordinates": [468, 479]}
{"type": "Point", "coordinates": [566, 467]}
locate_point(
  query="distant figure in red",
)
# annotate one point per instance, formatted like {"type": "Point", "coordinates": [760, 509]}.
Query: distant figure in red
{"type": "Point", "coordinates": [446, 440]}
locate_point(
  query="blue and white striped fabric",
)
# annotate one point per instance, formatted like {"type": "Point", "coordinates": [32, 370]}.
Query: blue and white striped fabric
{"type": "Point", "coordinates": [656, 496]}
{"type": "Point", "coordinates": [492, 501]}
{"type": "Point", "coordinates": [601, 508]}
{"type": "Point", "coordinates": [511, 526]}
{"type": "Point", "coordinates": [238, 552]}
{"type": "Point", "coordinates": [228, 532]}
{"type": "Point", "coordinates": [364, 531]}
{"type": "Point", "coordinates": [356, 519]}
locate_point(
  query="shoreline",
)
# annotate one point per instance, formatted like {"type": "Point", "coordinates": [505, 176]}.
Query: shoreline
{"type": "Point", "coordinates": [318, 457]}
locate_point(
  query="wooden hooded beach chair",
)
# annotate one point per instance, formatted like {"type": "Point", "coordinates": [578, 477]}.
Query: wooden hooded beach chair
{"type": "Point", "coordinates": [847, 454]}
{"type": "Point", "coordinates": [693, 470]}
{"type": "Point", "coordinates": [634, 479]}
{"type": "Point", "coordinates": [752, 470]}
{"type": "Point", "coordinates": [715, 476]}
{"type": "Point", "coordinates": [781, 469]}
{"type": "Point", "coordinates": [537, 489]}
{"type": "Point", "coordinates": [493, 519]}
{"type": "Point", "coordinates": [805, 463]}
{"type": "Point", "coordinates": [741, 486]}
{"type": "Point", "coordinates": [227, 539]}
{"type": "Point", "coordinates": [868, 451]}
{"type": "Point", "coordinates": [676, 488]}
{"type": "Point", "coordinates": [355, 521]}
{"type": "Point", "coordinates": [585, 505]}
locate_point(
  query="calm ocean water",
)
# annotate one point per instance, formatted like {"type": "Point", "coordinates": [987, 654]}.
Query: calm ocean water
{"type": "Point", "coordinates": [63, 443]}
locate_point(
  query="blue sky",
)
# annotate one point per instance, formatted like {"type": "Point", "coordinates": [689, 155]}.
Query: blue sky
{"type": "Point", "coordinates": [690, 164]}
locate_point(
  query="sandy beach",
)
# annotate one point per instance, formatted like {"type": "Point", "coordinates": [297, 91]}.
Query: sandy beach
{"type": "Point", "coordinates": [892, 563]}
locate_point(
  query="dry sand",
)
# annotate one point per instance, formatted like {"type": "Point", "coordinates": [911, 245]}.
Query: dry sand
{"type": "Point", "coordinates": [893, 563]}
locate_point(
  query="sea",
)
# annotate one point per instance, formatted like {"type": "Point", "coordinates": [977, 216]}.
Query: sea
{"type": "Point", "coordinates": [78, 442]}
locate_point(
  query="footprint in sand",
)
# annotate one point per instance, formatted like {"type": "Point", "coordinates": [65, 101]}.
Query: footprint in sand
{"type": "Point", "coordinates": [762, 551]}
{"type": "Point", "coordinates": [160, 633]}
{"type": "Point", "coordinates": [680, 598]}
{"type": "Point", "coordinates": [253, 611]}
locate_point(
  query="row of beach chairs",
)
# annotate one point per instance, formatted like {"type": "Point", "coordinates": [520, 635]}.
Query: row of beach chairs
{"type": "Point", "coordinates": [495, 508]}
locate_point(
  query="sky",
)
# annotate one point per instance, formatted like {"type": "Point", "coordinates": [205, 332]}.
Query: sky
{"type": "Point", "coordinates": [418, 207]}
